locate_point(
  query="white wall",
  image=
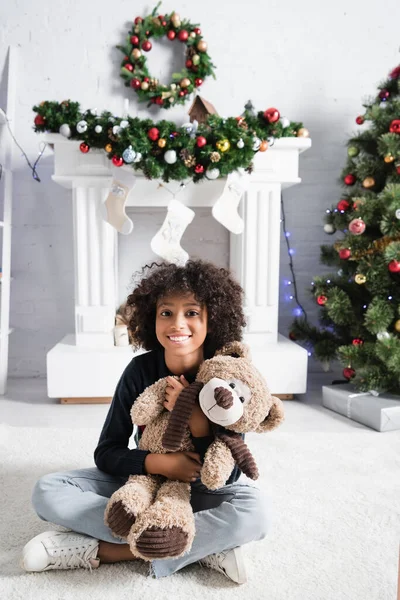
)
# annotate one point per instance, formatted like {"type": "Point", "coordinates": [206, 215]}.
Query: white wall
{"type": "Point", "coordinates": [314, 61]}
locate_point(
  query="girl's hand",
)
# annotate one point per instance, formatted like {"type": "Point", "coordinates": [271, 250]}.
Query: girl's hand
{"type": "Point", "coordinates": [181, 466]}
{"type": "Point", "coordinates": [173, 389]}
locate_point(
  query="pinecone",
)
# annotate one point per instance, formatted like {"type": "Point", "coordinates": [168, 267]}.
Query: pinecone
{"type": "Point", "coordinates": [153, 83]}
{"type": "Point", "coordinates": [190, 161]}
{"type": "Point", "coordinates": [111, 135]}
{"type": "Point", "coordinates": [250, 168]}
{"type": "Point", "coordinates": [243, 125]}
{"type": "Point", "coordinates": [184, 154]}
{"type": "Point", "coordinates": [215, 157]}
{"type": "Point", "coordinates": [190, 52]}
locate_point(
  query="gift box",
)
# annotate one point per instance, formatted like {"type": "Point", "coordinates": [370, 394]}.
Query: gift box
{"type": "Point", "coordinates": [381, 413]}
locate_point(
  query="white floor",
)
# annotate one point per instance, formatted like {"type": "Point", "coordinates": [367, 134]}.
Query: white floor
{"type": "Point", "coordinates": [26, 405]}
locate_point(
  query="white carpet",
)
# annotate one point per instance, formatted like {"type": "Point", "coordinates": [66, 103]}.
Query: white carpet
{"type": "Point", "coordinates": [336, 534]}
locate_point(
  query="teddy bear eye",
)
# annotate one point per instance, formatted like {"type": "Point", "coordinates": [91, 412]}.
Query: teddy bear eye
{"type": "Point", "coordinates": [232, 385]}
{"type": "Point", "coordinates": [242, 398]}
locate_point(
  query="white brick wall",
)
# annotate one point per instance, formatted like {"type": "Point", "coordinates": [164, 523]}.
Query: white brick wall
{"type": "Point", "coordinates": [315, 64]}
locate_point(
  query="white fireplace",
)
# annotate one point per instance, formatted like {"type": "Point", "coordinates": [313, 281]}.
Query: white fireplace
{"type": "Point", "coordinates": [85, 363]}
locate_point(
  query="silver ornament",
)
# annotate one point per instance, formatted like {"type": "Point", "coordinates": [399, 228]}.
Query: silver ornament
{"type": "Point", "coordinates": [398, 213]}
{"type": "Point", "coordinates": [124, 124]}
{"type": "Point", "coordinates": [81, 127]}
{"type": "Point", "coordinates": [284, 122]}
{"type": "Point", "coordinates": [329, 228]}
{"type": "Point", "coordinates": [129, 155]}
{"type": "Point", "coordinates": [138, 157]}
{"type": "Point", "coordinates": [271, 140]}
{"type": "Point", "coordinates": [116, 130]}
{"type": "Point", "coordinates": [98, 129]}
{"type": "Point", "coordinates": [383, 335]}
{"type": "Point", "coordinates": [170, 157]}
{"type": "Point", "coordinates": [94, 112]}
{"type": "Point", "coordinates": [240, 144]}
{"type": "Point", "coordinates": [65, 130]}
{"type": "Point", "coordinates": [383, 105]}
{"type": "Point", "coordinates": [212, 174]}
{"type": "Point", "coordinates": [256, 144]}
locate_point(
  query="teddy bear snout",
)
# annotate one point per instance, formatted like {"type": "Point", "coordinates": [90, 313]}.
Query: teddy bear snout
{"type": "Point", "coordinates": [223, 397]}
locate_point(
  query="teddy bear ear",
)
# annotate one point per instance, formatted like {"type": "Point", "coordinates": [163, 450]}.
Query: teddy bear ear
{"type": "Point", "coordinates": [235, 349]}
{"type": "Point", "coordinates": [274, 418]}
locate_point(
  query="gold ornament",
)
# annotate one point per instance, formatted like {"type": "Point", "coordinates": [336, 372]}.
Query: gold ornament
{"type": "Point", "coordinates": [202, 46]}
{"type": "Point", "coordinates": [223, 145]}
{"type": "Point", "coordinates": [108, 148]}
{"type": "Point", "coordinates": [162, 142]}
{"type": "Point", "coordinates": [156, 21]}
{"type": "Point", "coordinates": [360, 279]}
{"type": "Point", "coordinates": [397, 326]}
{"type": "Point", "coordinates": [153, 83]}
{"type": "Point", "coordinates": [137, 29]}
{"type": "Point", "coordinates": [368, 182]}
{"type": "Point", "coordinates": [389, 158]}
{"type": "Point", "coordinates": [215, 157]}
{"type": "Point", "coordinates": [185, 82]}
{"type": "Point", "coordinates": [135, 54]}
{"type": "Point", "coordinates": [144, 85]}
{"type": "Point", "coordinates": [303, 132]}
{"type": "Point", "coordinates": [175, 19]}
{"type": "Point", "coordinates": [263, 146]}
{"type": "Point", "coordinates": [173, 86]}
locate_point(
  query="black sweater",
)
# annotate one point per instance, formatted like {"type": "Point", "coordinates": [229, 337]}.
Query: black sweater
{"type": "Point", "coordinates": [112, 454]}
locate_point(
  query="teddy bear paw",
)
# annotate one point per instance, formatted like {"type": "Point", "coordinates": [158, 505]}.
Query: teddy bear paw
{"type": "Point", "coordinates": [155, 542]}
{"type": "Point", "coordinates": [120, 519]}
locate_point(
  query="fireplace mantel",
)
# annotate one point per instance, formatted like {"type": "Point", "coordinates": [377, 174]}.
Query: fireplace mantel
{"type": "Point", "coordinates": [86, 364]}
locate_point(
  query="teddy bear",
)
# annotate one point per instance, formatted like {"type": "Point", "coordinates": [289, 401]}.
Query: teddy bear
{"type": "Point", "coordinates": [154, 514]}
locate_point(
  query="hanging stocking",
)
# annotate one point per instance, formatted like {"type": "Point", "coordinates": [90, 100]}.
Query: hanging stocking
{"type": "Point", "coordinates": [166, 242]}
{"type": "Point", "coordinates": [225, 208]}
{"type": "Point", "coordinates": [113, 209]}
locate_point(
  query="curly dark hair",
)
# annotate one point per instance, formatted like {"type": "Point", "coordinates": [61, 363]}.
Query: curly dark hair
{"type": "Point", "coordinates": [212, 286]}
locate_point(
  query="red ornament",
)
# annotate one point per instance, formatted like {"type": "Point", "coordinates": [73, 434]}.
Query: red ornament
{"type": "Point", "coordinates": [117, 161]}
{"type": "Point", "coordinates": [395, 126]}
{"type": "Point", "coordinates": [84, 148]}
{"type": "Point", "coordinates": [201, 141]}
{"type": "Point", "coordinates": [129, 67]}
{"type": "Point", "coordinates": [199, 169]}
{"type": "Point", "coordinates": [181, 93]}
{"type": "Point", "coordinates": [189, 63]}
{"type": "Point", "coordinates": [147, 46]}
{"type": "Point", "coordinates": [349, 373]}
{"type": "Point", "coordinates": [398, 169]}
{"type": "Point", "coordinates": [39, 120]}
{"type": "Point", "coordinates": [183, 35]}
{"type": "Point", "coordinates": [395, 74]}
{"type": "Point", "coordinates": [343, 205]}
{"type": "Point", "coordinates": [357, 342]}
{"type": "Point", "coordinates": [394, 266]}
{"type": "Point", "coordinates": [164, 23]}
{"type": "Point", "coordinates": [360, 120]}
{"type": "Point", "coordinates": [344, 253]}
{"type": "Point", "coordinates": [198, 81]}
{"type": "Point", "coordinates": [384, 94]}
{"type": "Point", "coordinates": [135, 40]}
{"type": "Point", "coordinates": [357, 226]}
{"type": "Point", "coordinates": [271, 115]}
{"type": "Point", "coordinates": [350, 179]}
{"type": "Point", "coordinates": [146, 79]}
{"type": "Point", "coordinates": [322, 300]}
{"type": "Point", "coordinates": [159, 101]}
{"type": "Point", "coordinates": [135, 83]}
{"type": "Point", "coordinates": [197, 30]}
{"type": "Point", "coordinates": [138, 20]}
{"type": "Point", "coordinates": [153, 134]}
{"type": "Point", "coordinates": [171, 34]}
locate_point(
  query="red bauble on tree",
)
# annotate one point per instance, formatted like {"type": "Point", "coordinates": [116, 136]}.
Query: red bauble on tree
{"type": "Point", "coordinates": [198, 82]}
{"type": "Point", "coordinates": [138, 20]}
{"type": "Point", "coordinates": [189, 64]}
{"type": "Point", "coordinates": [159, 101]}
{"type": "Point", "coordinates": [357, 226]}
{"type": "Point", "coordinates": [147, 46]}
{"type": "Point", "coordinates": [197, 30]}
{"type": "Point", "coordinates": [153, 134]}
{"type": "Point", "coordinates": [394, 266]}
{"type": "Point", "coordinates": [183, 35]}
{"type": "Point", "coordinates": [349, 373]}
{"type": "Point", "coordinates": [343, 205]}
{"type": "Point", "coordinates": [357, 342]}
{"type": "Point", "coordinates": [350, 179]}
{"type": "Point", "coordinates": [360, 120]}
{"type": "Point", "coordinates": [201, 141]}
{"type": "Point", "coordinates": [199, 169]}
{"type": "Point", "coordinates": [134, 40]}
{"type": "Point", "coordinates": [344, 253]}
{"type": "Point", "coordinates": [171, 35]}
{"type": "Point", "coordinates": [129, 67]}
{"type": "Point", "coordinates": [135, 83]}
{"type": "Point", "coordinates": [398, 169]}
{"type": "Point", "coordinates": [322, 300]}
{"type": "Point", "coordinates": [39, 120]}
{"type": "Point", "coordinates": [117, 161]}
{"type": "Point", "coordinates": [384, 94]}
{"type": "Point", "coordinates": [395, 74]}
{"type": "Point", "coordinates": [84, 148]}
{"type": "Point", "coordinates": [395, 126]}
{"type": "Point", "coordinates": [271, 115]}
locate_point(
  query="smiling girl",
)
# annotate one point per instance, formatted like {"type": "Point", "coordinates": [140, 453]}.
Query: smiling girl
{"type": "Point", "coordinates": [181, 316]}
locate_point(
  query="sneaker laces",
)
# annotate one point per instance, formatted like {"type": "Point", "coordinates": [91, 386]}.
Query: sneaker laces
{"type": "Point", "coordinates": [212, 561]}
{"type": "Point", "coordinates": [69, 559]}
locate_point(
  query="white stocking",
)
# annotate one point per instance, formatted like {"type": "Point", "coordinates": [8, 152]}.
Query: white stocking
{"type": "Point", "coordinates": [225, 208]}
{"type": "Point", "coordinates": [166, 242]}
{"type": "Point", "coordinates": [113, 209]}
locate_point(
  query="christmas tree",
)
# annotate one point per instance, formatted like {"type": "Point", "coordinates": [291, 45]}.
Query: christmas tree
{"type": "Point", "coordinates": [360, 301]}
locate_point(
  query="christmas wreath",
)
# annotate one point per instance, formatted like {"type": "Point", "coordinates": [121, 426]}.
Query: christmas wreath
{"type": "Point", "coordinates": [167, 151]}
{"type": "Point", "coordinates": [134, 69]}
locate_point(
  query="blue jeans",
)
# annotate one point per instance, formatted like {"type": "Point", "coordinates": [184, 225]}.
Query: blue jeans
{"type": "Point", "coordinates": [231, 516]}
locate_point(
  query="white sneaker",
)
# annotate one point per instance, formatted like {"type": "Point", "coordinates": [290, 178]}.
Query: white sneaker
{"type": "Point", "coordinates": [59, 550]}
{"type": "Point", "coordinates": [230, 563]}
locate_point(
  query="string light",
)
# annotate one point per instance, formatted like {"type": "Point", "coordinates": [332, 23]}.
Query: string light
{"type": "Point", "coordinates": [33, 168]}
